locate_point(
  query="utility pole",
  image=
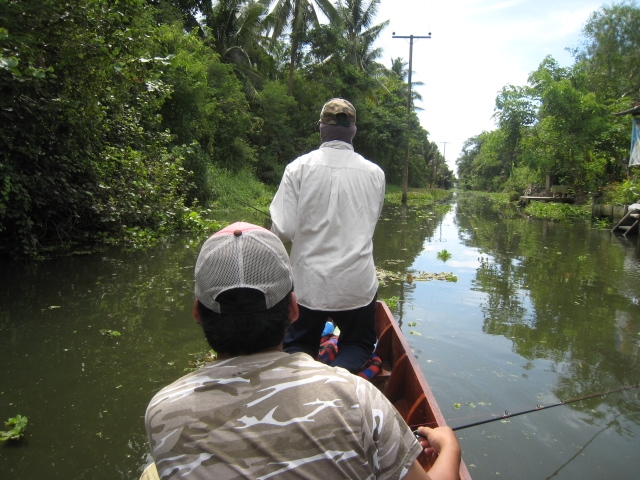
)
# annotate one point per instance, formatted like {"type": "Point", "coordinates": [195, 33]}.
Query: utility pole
{"type": "Point", "coordinates": [435, 171]}
{"type": "Point", "coordinates": [405, 172]}
{"type": "Point", "coordinates": [444, 159]}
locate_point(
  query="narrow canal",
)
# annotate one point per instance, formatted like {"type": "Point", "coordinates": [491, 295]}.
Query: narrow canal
{"type": "Point", "coordinates": [540, 312]}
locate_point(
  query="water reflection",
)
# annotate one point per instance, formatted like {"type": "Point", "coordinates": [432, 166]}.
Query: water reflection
{"type": "Point", "coordinates": [85, 392]}
{"type": "Point", "coordinates": [563, 301]}
{"type": "Point", "coordinates": [551, 289]}
{"type": "Point", "coordinates": [401, 236]}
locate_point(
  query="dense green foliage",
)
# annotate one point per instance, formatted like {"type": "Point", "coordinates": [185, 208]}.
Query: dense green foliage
{"type": "Point", "coordinates": [561, 124]}
{"type": "Point", "coordinates": [123, 119]}
{"type": "Point", "coordinates": [419, 198]}
{"type": "Point", "coordinates": [559, 211]}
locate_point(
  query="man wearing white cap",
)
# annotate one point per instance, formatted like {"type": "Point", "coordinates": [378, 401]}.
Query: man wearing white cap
{"type": "Point", "coordinates": [327, 205]}
{"type": "Point", "coordinates": [257, 412]}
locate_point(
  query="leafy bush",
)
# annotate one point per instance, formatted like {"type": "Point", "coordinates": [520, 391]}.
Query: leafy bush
{"type": "Point", "coordinates": [522, 177]}
{"type": "Point", "coordinates": [80, 82]}
{"type": "Point", "coordinates": [276, 139]}
{"type": "Point", "coordinates": [239, 190]}
{"type": "Point", "coordinates": [90, 91]}
{"type": "Point", "coordinates": [206, 105]}
{"type": "Point", "coordinates": [624, 193]}
{"type": "Point", "coordinates": [144, 189]}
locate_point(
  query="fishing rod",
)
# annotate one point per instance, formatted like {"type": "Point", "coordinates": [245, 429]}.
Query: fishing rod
{"type": "Point", "coordinates": [251, 206]}
{"type": "Point", "coordinates": [235, 197]}
{"type": "Point", "coordinates": [508, 414]}
{"type": "Point", "coordinates": [247, 205]}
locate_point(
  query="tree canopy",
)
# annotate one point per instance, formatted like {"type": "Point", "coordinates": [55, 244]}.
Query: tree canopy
{"type": "Point", "coordinates": [561, 124]}
{"type": "Point", "coordinates": [125, 118]}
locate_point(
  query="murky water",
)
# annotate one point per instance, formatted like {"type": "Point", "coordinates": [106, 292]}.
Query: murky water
{"type": "Point", "coordinates": [540, 313]}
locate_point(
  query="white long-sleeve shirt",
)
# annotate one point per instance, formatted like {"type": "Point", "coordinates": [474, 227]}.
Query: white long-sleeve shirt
{"type": "Point", "coordinates": [327, 205]}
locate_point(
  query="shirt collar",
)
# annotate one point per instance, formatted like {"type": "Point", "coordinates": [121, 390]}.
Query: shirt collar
{"type": "Point", "coordinates": [338, 144]}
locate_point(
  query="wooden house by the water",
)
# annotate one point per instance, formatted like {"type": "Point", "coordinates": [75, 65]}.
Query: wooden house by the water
{"type": "Point", "coordinates": [630, 221]}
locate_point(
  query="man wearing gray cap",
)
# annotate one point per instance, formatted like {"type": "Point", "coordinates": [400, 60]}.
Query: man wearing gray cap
{"type": "Point", "coordinates": [257, 412]}
{"type": "Point", "coordinates": [327, 205]}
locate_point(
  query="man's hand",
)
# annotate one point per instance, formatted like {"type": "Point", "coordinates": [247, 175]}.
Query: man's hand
{"type": "Point", "coordinates": [442, 447]}
{"type": "Point", "coordinates": [436, 440]}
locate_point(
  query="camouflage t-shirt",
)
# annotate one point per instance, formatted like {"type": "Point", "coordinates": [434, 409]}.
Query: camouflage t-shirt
{"type": "Point", "coordinates": [275, 415]}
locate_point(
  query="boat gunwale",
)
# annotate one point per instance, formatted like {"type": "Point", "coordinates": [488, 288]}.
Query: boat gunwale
{"type": "Point", "coordinates": [386, 322]}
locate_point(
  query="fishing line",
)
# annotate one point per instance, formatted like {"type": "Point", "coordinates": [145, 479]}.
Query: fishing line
{"type": "Point", "coordinates": [538, 408]}
{"type": "Point", "coordinates": [579, 452]}
{"type": "Point", "coordinates": [251, 206]}
{"type": "Point", "coordinates": [241, 202]}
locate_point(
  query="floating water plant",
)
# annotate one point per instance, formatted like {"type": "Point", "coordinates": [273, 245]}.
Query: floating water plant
{"type": "Point", "coordinates": [385, 276]}
{"type": "Point", "coordinates": [17, 425]}
{"type": "Point", "coordinates": [201, 359]}
{"type": "Point", "coordinates": [110, 333]}
{"type": "Point", "coordinates": [392, 302]}
{"type": "Point", "coordinates": [444, 255]}
{"type": "Point", "coordinates": [442, 209]}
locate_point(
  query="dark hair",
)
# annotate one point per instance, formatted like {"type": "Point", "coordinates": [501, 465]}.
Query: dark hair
{"type": "Point", "coordinates": [244, 334]}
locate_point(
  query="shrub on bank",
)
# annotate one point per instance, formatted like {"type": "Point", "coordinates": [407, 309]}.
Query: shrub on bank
{"type": "Point", "coordinates": [415, 196]}
{"type": "Point", "coordinates": [624, 193]}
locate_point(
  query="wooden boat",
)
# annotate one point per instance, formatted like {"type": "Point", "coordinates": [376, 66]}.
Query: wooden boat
{"type": "Point", "coordinates": [402, 381]}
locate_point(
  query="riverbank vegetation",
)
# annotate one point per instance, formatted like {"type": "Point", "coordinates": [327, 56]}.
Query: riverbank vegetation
{"type": "Point", "coordinates": [508, 206]}
{"type": "Point", "coordinates": [562, 212]}
{"type": "Point", "coordinates": [124, 120]}
{"type": "Point", "coordinates": [561, 124]}
{"type": "Point", "coordinates": [417, 196]}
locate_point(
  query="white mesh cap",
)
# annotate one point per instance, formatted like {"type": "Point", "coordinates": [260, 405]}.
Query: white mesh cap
{"type": "Point", "coordinates": [242, 255]}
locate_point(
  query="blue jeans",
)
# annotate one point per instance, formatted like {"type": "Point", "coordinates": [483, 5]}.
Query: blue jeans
{"type": "Point", "coordinates": [357, 334]}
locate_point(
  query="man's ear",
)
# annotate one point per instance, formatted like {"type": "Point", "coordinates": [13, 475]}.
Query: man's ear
{"type": "Point", "coordinates": [294, 311]}
{"type": "Point", "coordinates": [196, 313]}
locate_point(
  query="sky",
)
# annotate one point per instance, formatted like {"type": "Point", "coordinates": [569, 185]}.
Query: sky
{"type": "Point", "coordinates": [476, 48]}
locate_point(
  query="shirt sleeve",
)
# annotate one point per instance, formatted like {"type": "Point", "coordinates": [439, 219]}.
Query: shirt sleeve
{"type": "Point", "coordinates": [390, 445]}
{"type": "Point", "coordinates": [382, 192]}
{"type": "Point", "coordinates": [284, 207]}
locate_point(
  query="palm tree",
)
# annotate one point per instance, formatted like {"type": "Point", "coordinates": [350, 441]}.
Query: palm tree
{"type": "Point", "coordinates": [400, 71]}
{"type": "Point", "coordinates": [357, 17]}
{"type": "Point", "coordinates": [191, 10]}
{"type": "Point", "coordinates": [399, 67]}
{"type": "Point", "coordinates": [298, 15]}
{"type": "Point", "coordinates": [234, 27]}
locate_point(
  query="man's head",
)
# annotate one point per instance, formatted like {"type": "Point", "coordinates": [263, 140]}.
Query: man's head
{"type": "Point", "coordinates": [243, 284]}
{"type": "Point", "coordinates": [338, 111]}
{"type": "Point", "coordinates": [338, 121]}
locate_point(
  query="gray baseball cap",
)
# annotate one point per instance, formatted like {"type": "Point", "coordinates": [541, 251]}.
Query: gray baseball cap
{"type": "Point", "coordinates": [242, 255]}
